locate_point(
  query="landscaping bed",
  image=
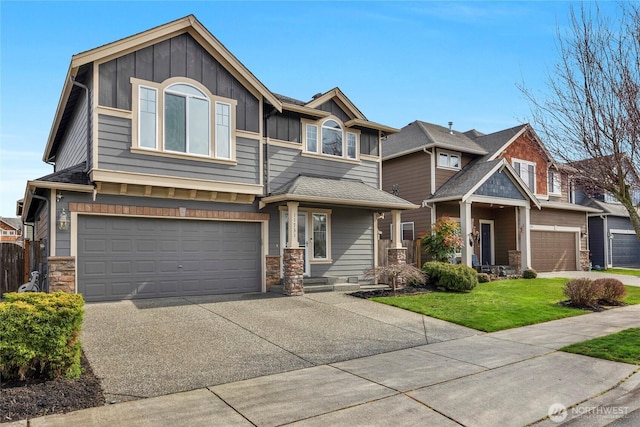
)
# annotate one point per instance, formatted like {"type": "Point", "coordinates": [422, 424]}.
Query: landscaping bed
{"type": "Point", "coordinates": [20, 400]}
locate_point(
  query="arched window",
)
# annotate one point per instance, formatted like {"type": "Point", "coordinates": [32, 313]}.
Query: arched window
{"type": "Point", "coordinates": [186, 120]}
{"type": "Point", "coordinates": [332, 138]}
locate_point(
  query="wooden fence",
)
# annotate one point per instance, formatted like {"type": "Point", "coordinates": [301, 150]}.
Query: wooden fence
{"type": "Point", "coordinates": [414, 252]}
{"type": "Point", "coordinates": [11, 267]}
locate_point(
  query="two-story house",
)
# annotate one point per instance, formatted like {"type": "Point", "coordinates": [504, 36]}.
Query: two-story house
{"type": "Point", "coordinates": [512, 200]}
{"type": "Point", "coordinates": [177, 172]}
{"type": "Point", "coordinates": [10, 229]}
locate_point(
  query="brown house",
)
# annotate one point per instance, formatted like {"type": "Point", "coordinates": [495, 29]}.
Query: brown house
{"type": "Point", "coordinates": [513, 202]}
{"type": "Point", "coordinates": [10, 229]}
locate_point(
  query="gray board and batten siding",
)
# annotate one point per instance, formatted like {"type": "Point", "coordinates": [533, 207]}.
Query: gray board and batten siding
{"type": "Point", "coordinates": [179, 56]}
{"type": "Point", "coordinates": [286, 164]}
{"type": "Point", "coordinates": [132, 257]}
{"type": "Point", "coordinates": [114, 142]}
{"type": "Point", "coordinates": [286, 126]}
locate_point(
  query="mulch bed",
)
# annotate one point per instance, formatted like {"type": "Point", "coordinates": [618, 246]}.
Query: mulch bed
{"type": "Point", "coordinates": [388, 292]}
{"type": "Point", "coordinates": [20, 400]}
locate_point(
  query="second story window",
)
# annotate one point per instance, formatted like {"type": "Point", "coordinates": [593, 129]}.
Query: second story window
{"type": "Point", "coordinates": [526, 171]}
{"type": "Point", "coordinates": [330, 138]}
{"type": "Point", "coordinates": [178, 118]}
{"type": "Point", "coordinates": [448, 160]}
{"type": "Point", "coordinates": [553, 181]}
{"type": "Point", "coordinates": [186, 120]}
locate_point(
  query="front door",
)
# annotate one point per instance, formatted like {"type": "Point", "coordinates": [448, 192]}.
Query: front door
{"type": "Point", "coordinates": [486, 242]}
{"type": "Point", "coordinates": [303, 239]}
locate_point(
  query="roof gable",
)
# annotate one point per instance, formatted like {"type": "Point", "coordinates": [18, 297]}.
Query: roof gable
{"type": "Point", "coordinates": [340, 100]}
{"type": "Point", "coordinates": [187, 25]}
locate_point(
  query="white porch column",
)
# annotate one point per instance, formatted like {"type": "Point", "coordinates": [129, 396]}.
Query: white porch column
{"type": "Point", "coordinates": [396, 241]}
{"type": "Point", "coordinates": [465, 228]}
{"type": "Point", "coordinates": [524, 222]}
{"type": "Point", "coordinates": [292, 225]}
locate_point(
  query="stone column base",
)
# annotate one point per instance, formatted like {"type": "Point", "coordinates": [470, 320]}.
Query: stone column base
{"type": "Point", "coordinates": [62, 274]}
{"type": "Point", "coordinates": [273, 270]}
{"type": "Point", "coordinates": [515, 261]}
{"type": "Point", "coordinates": [397, 256]}
{"type": "Point", "coordinates": [293, 271]}
{"type": "Point", "coordinates": [585, 262]}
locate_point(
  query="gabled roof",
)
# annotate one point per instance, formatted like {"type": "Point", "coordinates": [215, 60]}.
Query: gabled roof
{"type": "Point", "coordinates": [463, 184]}
{"type": "Point", "coordinates": [336, 191]}
{"type": "Point", "coordinates": [311, 108]}
{"type": "Point", "coordinates": [73, 175]}
{"type": "Point", "coordinates": [495, 143]}
{"type": "Point", "coordinates": [188, 24]}
{"type": "Point", "coordinates": [419, 135]}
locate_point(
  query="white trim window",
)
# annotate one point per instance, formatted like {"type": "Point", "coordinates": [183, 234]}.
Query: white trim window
{"type": "Point", "coordinates": [180, 117]}
{"type": "Point", "coordinates": [527, 171]}
{"type": "Point", "coordinates": [554, 183]}
{"type": "Point", "coordinates": [320, 236]}
{"type": "Point", "coordinates": [330, 138]}
{"type": "Point", "coordinates": [408, 230]}
{"type": "Point", "coordinates": [449, 160]}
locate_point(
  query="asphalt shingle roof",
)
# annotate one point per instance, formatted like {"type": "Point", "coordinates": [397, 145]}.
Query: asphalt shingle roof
{"type": "Point", "coordinates": [417, 135]}
{"type": "Point", "coordinates": [462, 182]}
{"type": "Point", "coordinates": [354, 191]}
{"type": "Point", "coordinates": [73, 175]}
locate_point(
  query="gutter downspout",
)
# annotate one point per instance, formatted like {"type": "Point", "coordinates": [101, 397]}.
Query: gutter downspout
{"type": "Point", "coordinates": [432, 171]}
{"type": "Point", "coordinates": [86, 91]}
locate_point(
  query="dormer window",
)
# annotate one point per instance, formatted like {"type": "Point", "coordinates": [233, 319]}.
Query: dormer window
{"type": "Point", "coordinates": [330, 138]}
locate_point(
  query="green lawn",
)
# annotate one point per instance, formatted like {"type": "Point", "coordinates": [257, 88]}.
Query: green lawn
{"type": "Point", "coordinates": [623, 346]}
{"type": "Point", "coordinates": [498, 305]}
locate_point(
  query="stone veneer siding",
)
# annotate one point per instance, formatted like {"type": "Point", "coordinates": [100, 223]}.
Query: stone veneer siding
{"type": "Point", "coordinates": [293, 274]}
{"type": "Point", "coordinates": [273, 270]}
{"type": "Point", "coordinates": [397, 256]}
{"type": "Point", "coordinates": [584, 260]}
{"type": "Point", "coordinates": [62, 274]}
{"type": "Point", "coordinates": [515, 260]}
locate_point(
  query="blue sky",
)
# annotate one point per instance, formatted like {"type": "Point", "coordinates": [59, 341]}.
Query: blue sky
{"type": "Point", "coordinates": [397, 61]}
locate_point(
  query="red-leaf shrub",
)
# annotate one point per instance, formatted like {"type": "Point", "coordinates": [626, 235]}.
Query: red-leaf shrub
{"type": "Point", "coordinates": [583, 292]}
{"type": "Point", "coordinates": [613, 291]}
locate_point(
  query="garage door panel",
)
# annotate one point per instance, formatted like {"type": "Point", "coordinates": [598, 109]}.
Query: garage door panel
{"type": "Point", "coordinates": [123, 258]}
{"type": "Point", "coordinates": [625, 250]}
{"type": "Point", "coordinates": [553, 251]}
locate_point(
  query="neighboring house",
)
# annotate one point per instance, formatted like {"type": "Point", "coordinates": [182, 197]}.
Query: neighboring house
{"type": "Point", "coordinates": [176, 172]}
{"type": "Point", "coordinates": [10, 229]}
{"type": "Point", "coordinates": [612, 238]}
{"type": "Point", "coordinates": [512, 200]}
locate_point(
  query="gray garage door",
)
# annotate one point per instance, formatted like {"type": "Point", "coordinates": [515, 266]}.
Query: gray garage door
{"type": "Point", "coordinates": [553, 251]}
{"type": "Point", "coordinates": [625, 250]}
{"type": "Point", "coordinates": [127, 258]}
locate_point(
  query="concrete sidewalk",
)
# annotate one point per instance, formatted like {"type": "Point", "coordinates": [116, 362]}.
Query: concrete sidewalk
{"type": "Point", "coordinates": [507, 378]}
{"type": "Point", "coordinates": [624, 278]}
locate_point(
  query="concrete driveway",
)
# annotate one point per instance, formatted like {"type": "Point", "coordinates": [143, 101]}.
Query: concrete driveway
{"type": "Point", "coordinates": [155, 347]}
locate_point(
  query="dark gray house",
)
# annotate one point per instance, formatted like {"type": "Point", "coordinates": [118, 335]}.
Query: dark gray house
{"type": "Point", "coordinates": [612, 239]}
{"type": "Point", "coordinates": [177, 172]}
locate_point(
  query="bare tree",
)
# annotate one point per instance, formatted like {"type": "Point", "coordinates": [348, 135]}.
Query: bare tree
{"type": "Point", "coordinates": [590, 115]}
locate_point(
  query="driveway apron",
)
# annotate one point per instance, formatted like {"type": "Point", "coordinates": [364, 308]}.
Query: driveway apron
{"type": "Point", "coordinates": [147, 348]}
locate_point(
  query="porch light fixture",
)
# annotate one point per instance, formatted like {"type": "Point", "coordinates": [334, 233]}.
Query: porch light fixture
{"type": "Point", "coordinates": [63, 220]}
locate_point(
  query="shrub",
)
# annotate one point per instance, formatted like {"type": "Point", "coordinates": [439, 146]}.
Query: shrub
{"type": "Point", "coordinates": [398, 274]}
{"type": "Point", "coordinates": [444, 241]}
{"type": "Point", "coordinates": [613, 291]}
{"type": "Point", "coordinates": [40, 335]}
{"type": "Point", "coordinates": [583, 292]}
{"type": "Point", "coordinates": [452, 277]}
{"type": "Point", "coordinates": [529, 273]}
{"type": "Point", "coordinates": [483, 278]}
